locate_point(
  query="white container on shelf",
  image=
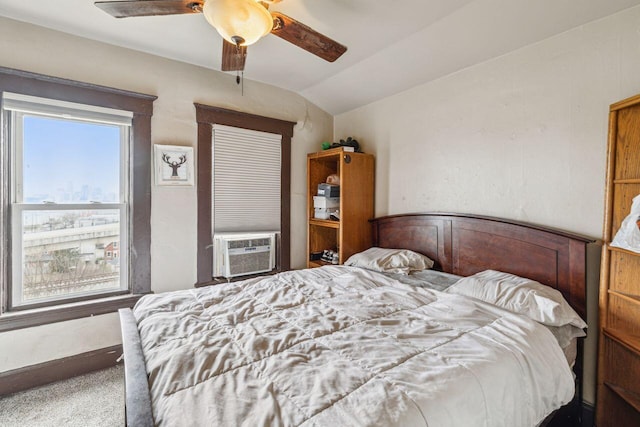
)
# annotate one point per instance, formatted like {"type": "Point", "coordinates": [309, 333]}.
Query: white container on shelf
{"type": "Point", "coordinates": [326, 202]}
{"type": "Point", "coordinates": [323, 213]}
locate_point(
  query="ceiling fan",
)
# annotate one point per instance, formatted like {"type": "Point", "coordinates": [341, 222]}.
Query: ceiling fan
{"type": "Point", "coordinates": [239, 22]}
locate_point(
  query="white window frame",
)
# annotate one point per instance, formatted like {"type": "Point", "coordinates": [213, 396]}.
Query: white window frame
{"type": "Point", "coordinates": [15, 108]}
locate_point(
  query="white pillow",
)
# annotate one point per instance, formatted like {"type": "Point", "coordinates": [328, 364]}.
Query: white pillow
{"type": "Point", "coordinates": [519, 295]}
{"type": "Point", "coordinates": [402, 261]}
{"type": "Point", "coordinates": [565, 334]}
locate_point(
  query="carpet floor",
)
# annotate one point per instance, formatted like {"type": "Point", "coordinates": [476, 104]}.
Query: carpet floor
{"type": "Point", "coordinates": [92, 400]}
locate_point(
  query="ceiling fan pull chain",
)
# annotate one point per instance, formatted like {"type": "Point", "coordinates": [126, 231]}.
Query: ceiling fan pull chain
{"type": "Point", "coordinates": [240, 79]}
{"type": "Point", "coordinates": [239, 40]}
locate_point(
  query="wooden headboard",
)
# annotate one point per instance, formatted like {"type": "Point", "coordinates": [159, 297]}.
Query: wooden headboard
{"type": "Point", "coordinates": [466, 244]}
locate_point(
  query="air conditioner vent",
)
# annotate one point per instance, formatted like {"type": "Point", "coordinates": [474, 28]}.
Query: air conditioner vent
{"type": "Point", "coordinates": [247, 243]}
{"type": "Point", "coordinates": [239, 254]}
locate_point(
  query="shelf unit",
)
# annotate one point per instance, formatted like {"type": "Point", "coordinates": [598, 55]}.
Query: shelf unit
{"type": "Point", "coordinates": [352, 233]}
{"type": "Point", "coordinates": [619, 306]}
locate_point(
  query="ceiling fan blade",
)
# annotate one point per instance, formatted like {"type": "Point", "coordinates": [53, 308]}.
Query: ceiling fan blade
{"type": "Point", "coordinates": [233, 57]}
{"type": "Point", "coordinates": [308, 39]}
{"type": "Point", "coordinates": [131, 8]}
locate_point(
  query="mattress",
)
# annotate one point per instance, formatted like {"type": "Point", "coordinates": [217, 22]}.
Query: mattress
{"type": "Point", "coordinates": [345, 346]}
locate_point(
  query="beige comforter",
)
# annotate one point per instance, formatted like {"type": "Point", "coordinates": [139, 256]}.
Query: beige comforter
{"type": "Point", "coordinates": [341, 346]}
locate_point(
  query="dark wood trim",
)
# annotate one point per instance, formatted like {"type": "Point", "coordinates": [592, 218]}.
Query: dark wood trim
{"type": "Point", "coordinates": [68, 301]}
{"type": "Point", "coordinates": [206, 116]}
{"type": "Point", "coordinates": [57, 370]}
{"type": "Point", "coordinates": [34, 84]}
{"type": "Point", "coordinates": [141, 105]}
{"type": "Point", "coordinates": [59, 313]}
{"type": "Point", "coordinates": [140, 217]}
{"type": "Point", "coordinates": [223, 116]}
{"type": "Point", "coordinates": [204, 255]}
{"type": "Point", "coordinates": [284, 242]}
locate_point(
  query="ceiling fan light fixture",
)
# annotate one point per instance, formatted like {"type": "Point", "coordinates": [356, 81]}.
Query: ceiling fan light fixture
{"type": "Point", "coordinates": [246, 19]}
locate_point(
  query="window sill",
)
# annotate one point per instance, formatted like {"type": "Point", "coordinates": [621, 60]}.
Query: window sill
{"type": "Point", "coordinates": [222, 280]}
{"type": "Point", "coordinates": [43, 316]}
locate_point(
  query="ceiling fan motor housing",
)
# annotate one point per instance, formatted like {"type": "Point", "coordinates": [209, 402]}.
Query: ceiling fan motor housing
{"type": "Point", "coordinates": [246, 19]}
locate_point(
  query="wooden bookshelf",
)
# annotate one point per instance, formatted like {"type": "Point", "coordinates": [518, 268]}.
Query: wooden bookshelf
{"type": "Point", "coordinates": [352, 233]}
{"type": "Point", "coordinates": [619, 306]}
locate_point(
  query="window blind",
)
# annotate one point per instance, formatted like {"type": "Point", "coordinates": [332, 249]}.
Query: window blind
{"type": "Point", "coordinates": [66, 110]}
{"type": "Point", "coordinates": [246, 180]}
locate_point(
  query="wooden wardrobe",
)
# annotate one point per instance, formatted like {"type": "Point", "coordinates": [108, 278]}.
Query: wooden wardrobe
{"type": "Point", "coordinates": [619, 306]}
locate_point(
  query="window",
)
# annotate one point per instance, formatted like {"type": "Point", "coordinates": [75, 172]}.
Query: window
{"type": "Point", "coordinates": [75, 199]}
{"type": "Point", "coordinates": [207, 118]}
{"type": "Point", "coordinates": [68, 175]}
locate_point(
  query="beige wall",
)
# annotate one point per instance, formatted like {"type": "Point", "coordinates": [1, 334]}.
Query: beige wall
{"type": "Point", "coordinates": [522, 136]}
{"type": "Point", "coordinates": [173, 212]}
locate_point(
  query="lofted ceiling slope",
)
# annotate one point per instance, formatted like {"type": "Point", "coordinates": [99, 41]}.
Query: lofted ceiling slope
{"type": "Point", "coordinates": [392, 45]}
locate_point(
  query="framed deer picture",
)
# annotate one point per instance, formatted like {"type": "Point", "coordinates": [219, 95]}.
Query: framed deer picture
{"type": "Point", "coordinates": [173, 165]}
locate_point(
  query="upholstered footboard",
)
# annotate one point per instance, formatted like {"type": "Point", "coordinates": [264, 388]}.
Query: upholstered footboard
{"type": "Point", "coordinates": [137, 398]}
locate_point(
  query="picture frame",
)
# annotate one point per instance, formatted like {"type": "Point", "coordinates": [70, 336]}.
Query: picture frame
{"type": "Point", "coordinates": [174, 165]}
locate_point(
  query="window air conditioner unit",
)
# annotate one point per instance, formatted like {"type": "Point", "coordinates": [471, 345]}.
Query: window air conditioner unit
{"type": "Point", "coordinates": [240, 254]}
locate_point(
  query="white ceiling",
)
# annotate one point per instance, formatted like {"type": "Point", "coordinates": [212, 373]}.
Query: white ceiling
{"type": "Point", "coordinates": [392, 45]}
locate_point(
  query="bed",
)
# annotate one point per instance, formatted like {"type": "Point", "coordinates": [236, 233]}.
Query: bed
{"type": "Point", "coordinates": [346, 345]}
